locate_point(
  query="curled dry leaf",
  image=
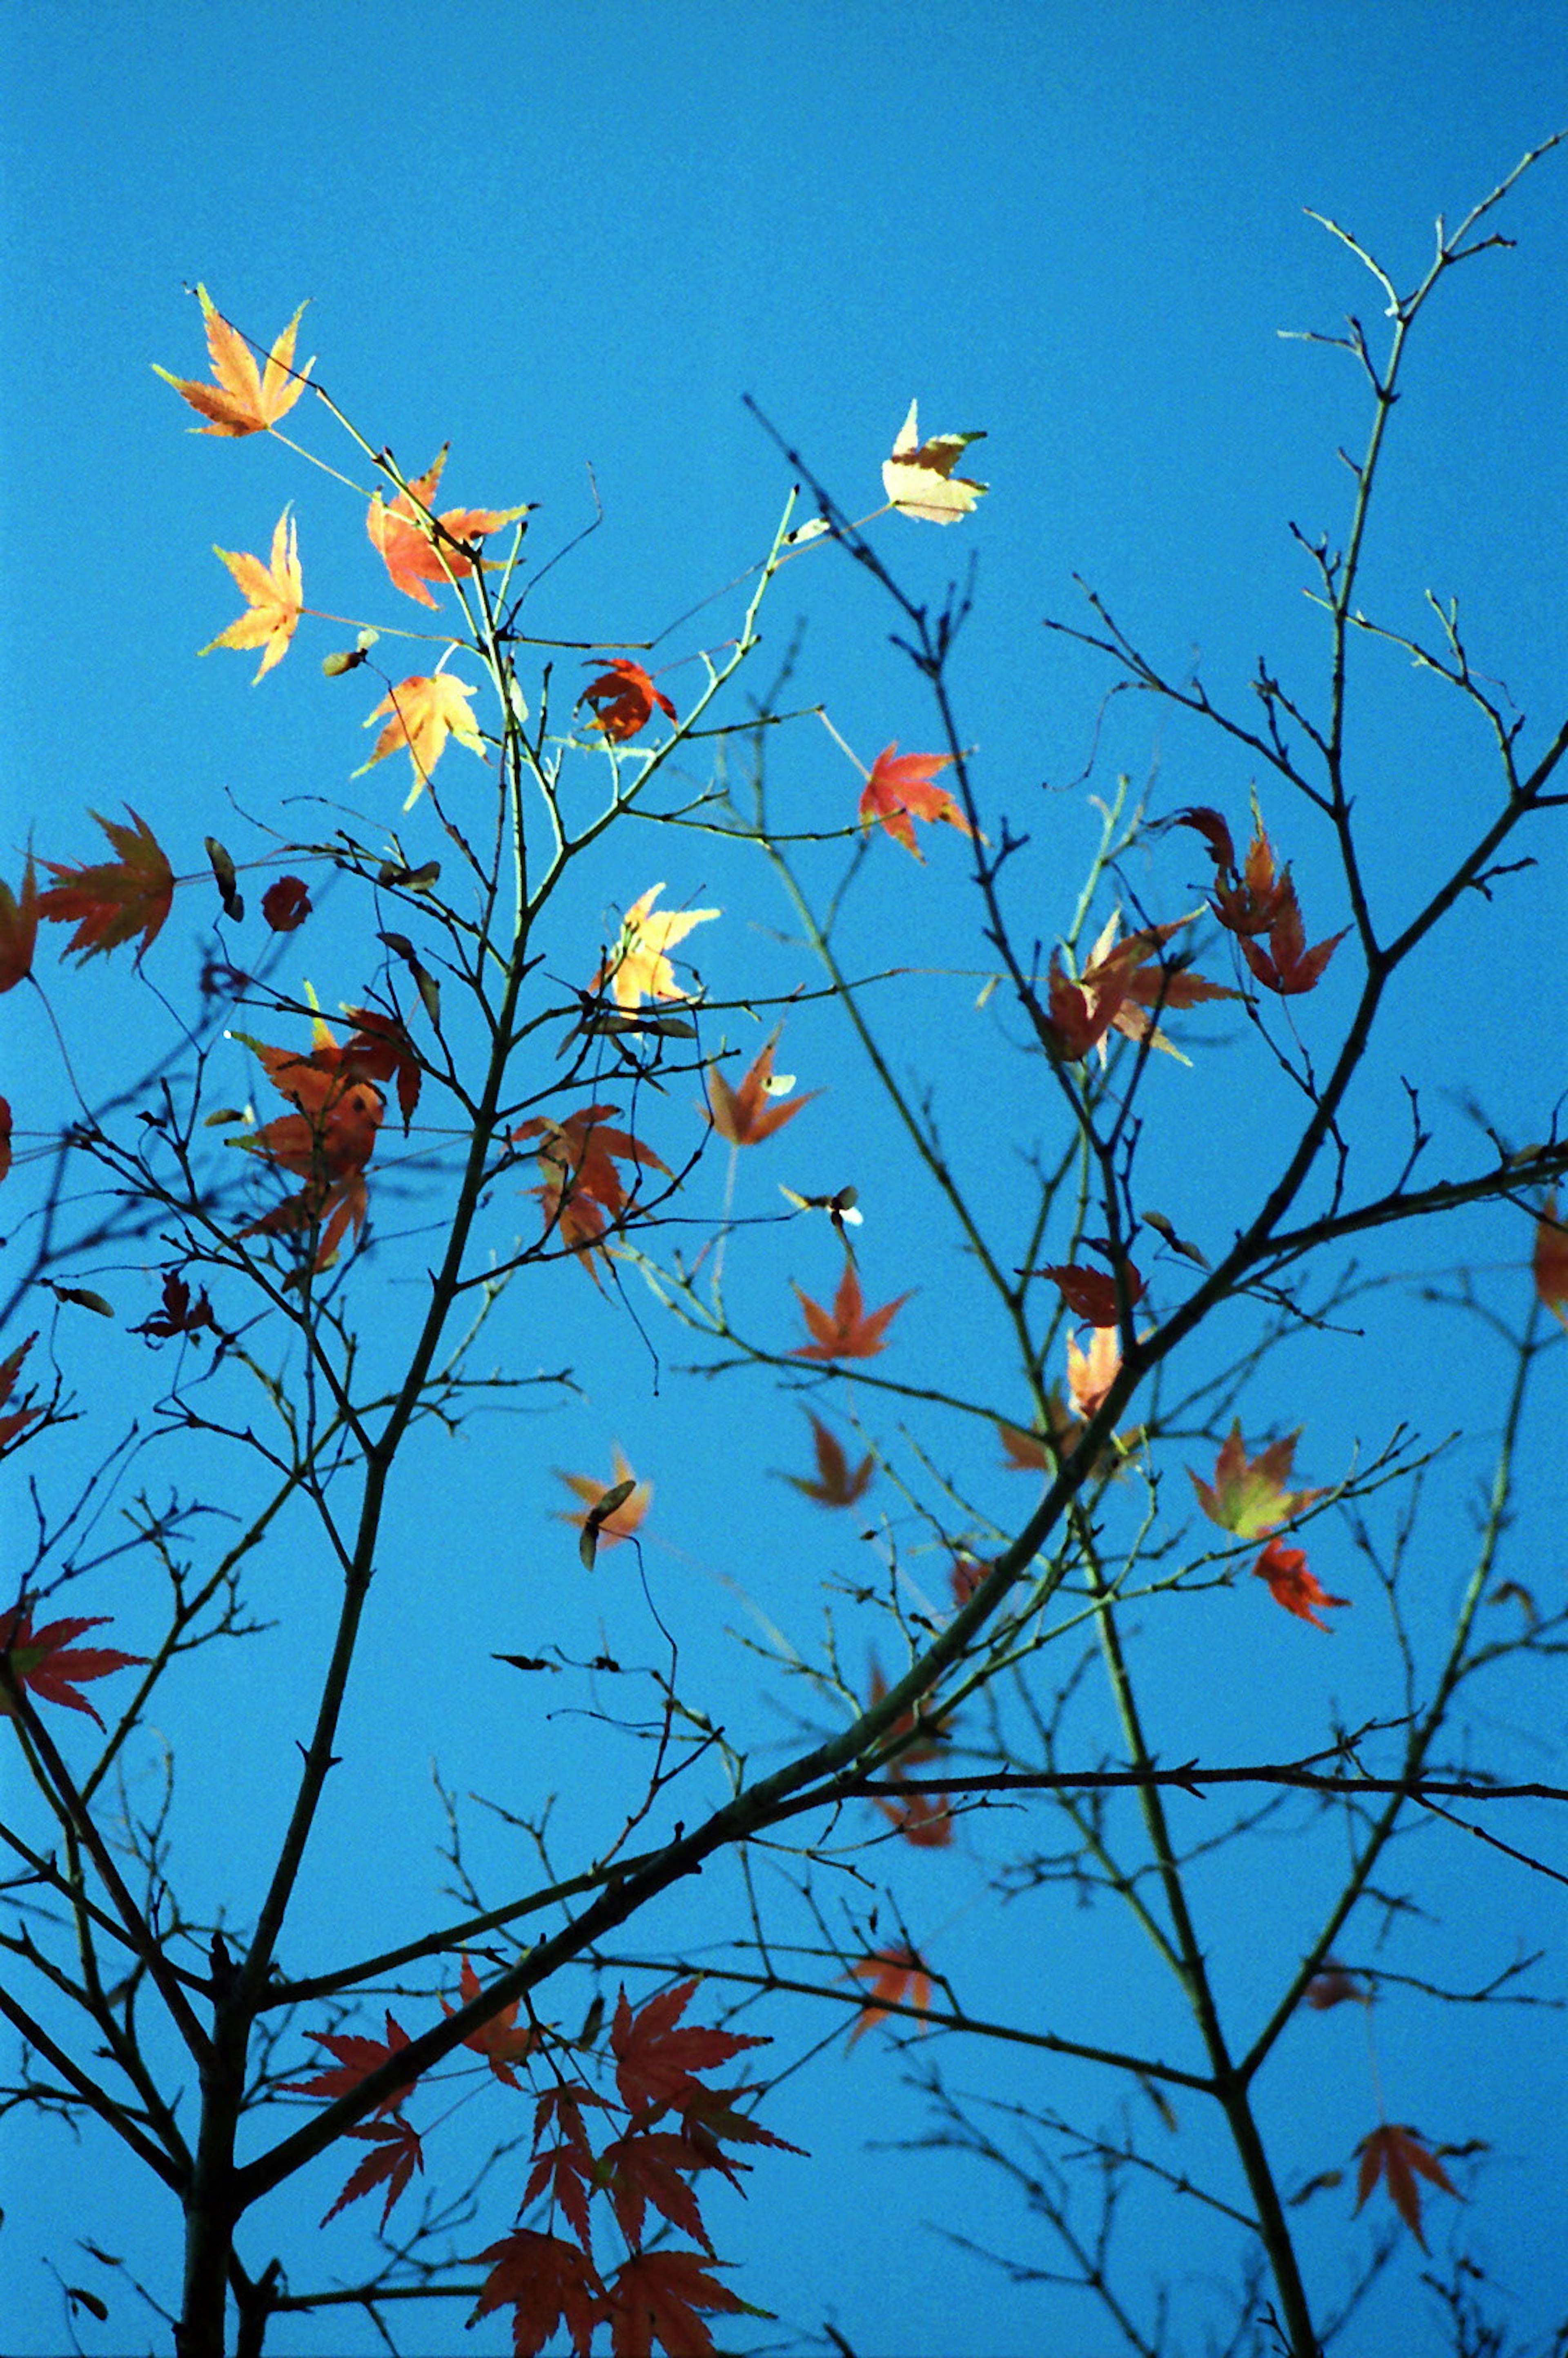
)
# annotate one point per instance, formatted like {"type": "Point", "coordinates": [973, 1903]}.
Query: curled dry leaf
{"type": "Point", "coordinates": [286, 904]}
{"type": "Point", "coordinates": [624, 697]}
{"type": "Point", "coordinates": [919, 480]}
{"type": "Point", "coordinates": [1291, 1584]}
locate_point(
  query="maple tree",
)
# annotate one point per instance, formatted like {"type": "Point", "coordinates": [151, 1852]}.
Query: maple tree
{"type": "Point", "coordinates": [463, 1134]}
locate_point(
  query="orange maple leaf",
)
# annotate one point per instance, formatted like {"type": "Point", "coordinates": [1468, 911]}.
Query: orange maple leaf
{"type": "Point", "coordinates": [847, 1331]}
{"type": "Point", "coordinates": [425, 712]}
{"type": "Point", "coordinates": [274, 596]}
{"type": "Point", "coordinates": [1549, 1261]}
{"type": "Point", "coordinates": [1291, 1584]}
{"type": "Point", "coordinates": [624, 697]}
{"type": "Point", "coordinates": [1249, 900]}
{"type": "Point", "coordinates": [581, 1189]}
{"type": "Point", "coordinates": [499, 2040]}
{"type": "Point", "coordinates": [546, 2281]}
{"type": "Point", "coordinates": [624, 1519]}
{"type": "Point", "coordinates": [412, 551]}
{"type": "Point", "coordinates": [45, 1659]}
{"type": "Point", "coordinates": [1398, 2156]}
{"type": "Point", "coordinates": [1248, 1496]}
{"type": "Point", "coordinates": [1091, 1373]}
{"type": "Point", "coordinates": [745, 1116]}
{"type": "Point", "coordinates": [19, 931]}
{"type": "Point", "coordinates": [919, 480]}
{"type": "Point", "coordinates": [899, 791]}
{"type": "Point", "coordinates": [327, 1141]}
{"type": "Point", "coordinates": [897, 1977]}
{"type": "Point", "coordinates": [1117, 989]}
{"type": "Point", "coordinates": [835, 1486]}
{"type": "Point", "coordinates": [242, 402]}
{"type": "Point", "coordinates": [656, 2296]}
{"type": "Point", "coordinates": [109, 904]}
{"type": "Point", "coordinates": [638, 967]}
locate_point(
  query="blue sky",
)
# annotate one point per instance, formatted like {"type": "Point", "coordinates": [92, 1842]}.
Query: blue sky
{"type": "Point", "coordinates": [567, 237]}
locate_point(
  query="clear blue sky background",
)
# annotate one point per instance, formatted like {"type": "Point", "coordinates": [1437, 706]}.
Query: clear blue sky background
{"type": "Point", "coordinates": [571, 235]}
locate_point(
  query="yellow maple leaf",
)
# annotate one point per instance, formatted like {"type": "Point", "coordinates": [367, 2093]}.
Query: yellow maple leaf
{"type": "Point", "coordinates": [919, 480]}
{"type": "Point", "coordinates": [275, 597]}
{"type": "Point", "coordinates": [425, 713]}
{"type": "Point", "coordinates": [638, 967]}
{"type": "Point", "coordinates": [243, 401]}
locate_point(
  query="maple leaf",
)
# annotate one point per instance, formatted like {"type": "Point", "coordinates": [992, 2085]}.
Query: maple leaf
{"type": "Point", "coordinates": [897, 1977]}
{"type": "Point", "coordinates": [286, 904]}
{"type": "Point", "coordinates": [848, 1331]}
{"type": "Point", "coordinates": [45, 1659]}
{"type": "Point", "coordinates": [655, 2061]}
{"type": "Point", "coordinates": [327, 1143]}
{"type": "Point", "coordinates": [1334, 1986]}
{"type": "Point", "coordinates": [1211, 825]}
{"type": "Point", "coordinates": [899, 791]}
{"type": "Point", "coordinates": [1287, 966]}
{"type": "Point", "coordinates": [1091, 1294]}
{"type": "Point", "coordinates": [638, 967]}
{"type": "Point", "coordinates": [645, 2167]}
{"type": "Point", "coordinates": [399, 2153]}
{"type": "Point", "coordinates": [178, 1315]}
{"type": "Point", "coordinates": [623, 1519]}
{"type": "Point", "coordinates": [581, 1189]}
{"type": "Point", "coordinates": [744, 1116]}
{"type": "Point", "coordinates": [1248, 1496]}
{"type": "Point", "coordinates": [546, 2281]}
{"type": "Point", "coordinates": [358, 2057]}
{"type": "Point", "coordinates": [656, 2296]}
{"type": "Point", "coordinates": [624, 697]}
{"type": "Point", "coordinates": [835, 1486]}
{"type": "Point", "coordinates": [381, 1050]}
{"type": "Point", "coordinates": [919, 480]}
{"type": "Point", "coordinates": [411, 552]}
{"type": "Point", "coordinates": [1399, 2157]}
{"type": "Point", "coordinates": [499, 2040]}
{"type": "Point", "coordinates": [1117, 989]}
{"type": "Point", "coordinates": [109, 904]}
{"type": "Point", "coordinates": [1091, 1373]}
{"type": "Point", "coordinates": [426, 711]}
{"type": "Point", "coordinates": [924, 1818]}
{"type": "Point", "coordinates": [1549, 1264]}
{"type": "Point", "coordinates": [275, 597]}
{"type": "Point", "coordinates": [19, 931]}
{"type": "Point", "coordinates": [16, 1420]}
{"type": "Point", "coordinates": [1250, 900]}
{"type": "Point", "coordinates": [1291, 1584]}
{"type": "Point", "coordinates": [241, 401]}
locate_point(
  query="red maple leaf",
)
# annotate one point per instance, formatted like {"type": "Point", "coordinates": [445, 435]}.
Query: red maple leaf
{"type": "Point", "coordinates": [1399, 2157]}
{"type": "Point", "coordinates": [897, 1977]}
{"type": "Point", "coordinates": [499, 2040]}
{"type": "Point", "coordinates": [848, 1331]}
{"type": "Point", "coordinates": [16, 1420]}
{"type": "Point", "coordinates": [397, 2155]}
{"type": "Point", "coordinates": [381, 1050]}
{"type": "Point", "coordinates": [835, 1485]}
{"type": "Point", "coordinates": [413, 552]}
{"type": "Point", "coordinates": [1549, 1264]}
{"type": "Point", "coordinates": [546, 2281]}
{"type": "Point", "coordinates": [178, 1315]}
{"type": "Point", "coordinates": [624, 697]}
{"type": "Point", "coordinates": [357, 2058]}
{"type": "Point", "coordinates": [19, 930]}
{"type": "Point", "coordinates": [656, 2296]}
{"type": "Point", "coordinates": [107, 904]}
{"type": "Point", "coordinates": [655, 2061]}
{"type": "Point", "coordinates": [647, 2166]}
{"type": "Point", "coordinates": [1291, 1584]}
{"type": "Point", "coordinates": [899, 791]}
{"type": "Point", "coordinates": [1091, 1294]}
{"type": "Point", "coordinates": [745, 1116]}
{"type": "Point", "coordinates": [1287, 966]}
{"type": "Point", "coordinates": [1121, 981]}
{"type": "Point", "coordinates": [45, 1659]}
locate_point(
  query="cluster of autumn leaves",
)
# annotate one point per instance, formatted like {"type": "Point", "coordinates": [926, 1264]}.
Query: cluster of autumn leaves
{"type": "Point", "coordinates": [669, 2125]}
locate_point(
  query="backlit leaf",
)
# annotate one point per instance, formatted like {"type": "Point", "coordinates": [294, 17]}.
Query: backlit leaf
{"type": "Point", "coordinates": [241, 401]}
{"type": "Point", "coordinates": [919, 480]}
{"type": "Point", "coordinates": [274, 595]}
